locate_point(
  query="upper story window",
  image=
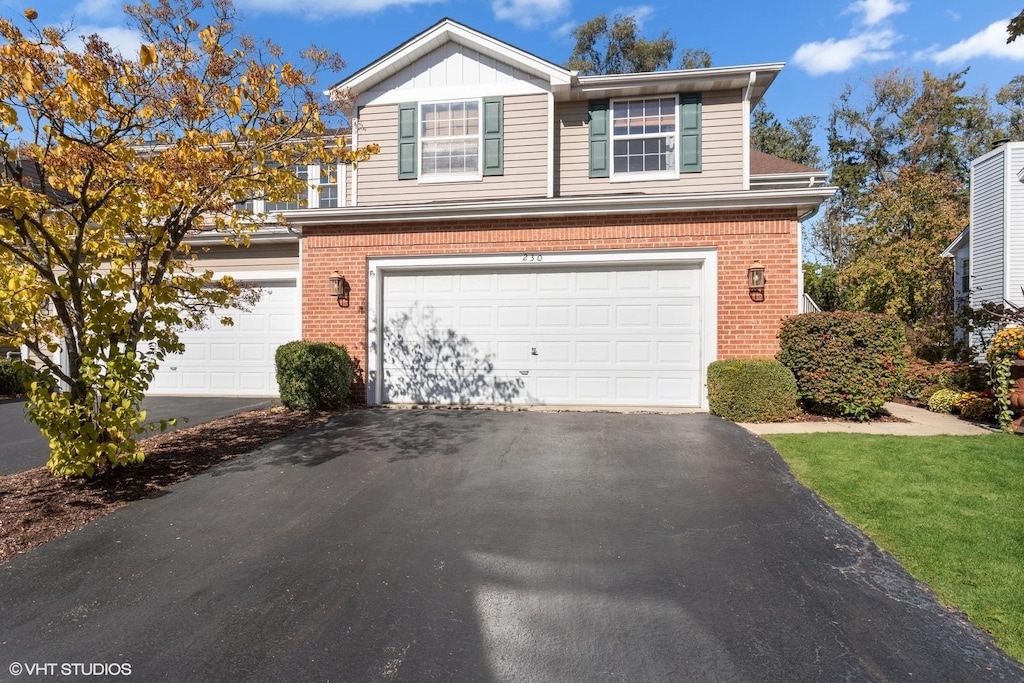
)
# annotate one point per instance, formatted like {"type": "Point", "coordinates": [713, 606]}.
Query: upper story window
{"type": "Point", "coordinates": [451, 141]}
{"type": "Point", "coordinates": [644, 136]}
{"type": "Point", "coordinates": [301, 200]}
{"type": "Point", "coordinates": [965, 277]}
{"type": "Point", "coordinates": [325, 185]}
{"type": "Point", "coordinates": [328, 187]}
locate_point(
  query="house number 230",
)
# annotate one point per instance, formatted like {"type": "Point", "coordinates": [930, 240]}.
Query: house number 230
{"type": "Point", "coordinates": [533, 258]}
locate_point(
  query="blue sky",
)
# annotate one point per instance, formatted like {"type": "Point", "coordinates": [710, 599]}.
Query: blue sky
{"type": "Point", "coordinates": [825, 43]}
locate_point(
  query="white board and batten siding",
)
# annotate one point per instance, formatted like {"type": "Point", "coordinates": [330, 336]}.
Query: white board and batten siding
{"type": "Point", "coordinates": [635, 329]}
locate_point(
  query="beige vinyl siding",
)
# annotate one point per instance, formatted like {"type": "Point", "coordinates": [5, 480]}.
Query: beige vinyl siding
{"type": "Point", "coordinates": [525, 138]}
{"type": "Point", "coordinates": [257, 257]}
{"type": "Point", "coordinates": [721, 142]}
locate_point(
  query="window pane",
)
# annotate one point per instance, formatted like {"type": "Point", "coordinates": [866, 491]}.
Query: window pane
{"type": "Point", "coordinates": [450, 141]}
{"type": "Point", "coordinates": [643, 134]}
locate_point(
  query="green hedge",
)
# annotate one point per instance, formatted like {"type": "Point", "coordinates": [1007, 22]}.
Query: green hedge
{"type": "Point", "coordinates": [846, 364]}
{"type": "Point", "coordinates": [752, 390]}
{"type": "Point", "coordinates": [14, 376]}
{"type": "Point", "coordinates": [313, 375]}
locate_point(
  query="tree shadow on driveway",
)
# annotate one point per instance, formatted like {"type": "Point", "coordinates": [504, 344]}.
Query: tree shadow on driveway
{"type": "Point", "coordinates": [402, 434]}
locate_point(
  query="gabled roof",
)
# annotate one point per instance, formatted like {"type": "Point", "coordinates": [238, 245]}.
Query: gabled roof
{"type": "Point", "coordinates": [962, 240]}
{"type": "Point", "coordinates": [450, 30]}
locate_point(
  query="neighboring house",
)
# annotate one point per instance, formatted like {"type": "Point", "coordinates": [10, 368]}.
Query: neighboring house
{"type": "Point", "coordinates": [988, 257]}
{"type": "Point", "coordinates": [528, 235]}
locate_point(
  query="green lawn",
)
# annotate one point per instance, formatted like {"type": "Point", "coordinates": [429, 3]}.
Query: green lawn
{"type": "Point", "coordinates": [951, 508]}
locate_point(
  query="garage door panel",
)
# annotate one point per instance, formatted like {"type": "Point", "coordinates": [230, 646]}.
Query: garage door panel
{"type": "Point", "coordinates": [633, 352]}
{"type": "Point", "coordinates": [545, 335]}
{"type": "Point", "coordinates": [594, 316]}
{"type": "Point", "coordinates": [226, 360]}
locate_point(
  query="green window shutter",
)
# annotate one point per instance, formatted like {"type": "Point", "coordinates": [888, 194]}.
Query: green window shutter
{"type": "Point", "coordinates": [407, 141]}
{"type": "Point", "coordinates": [494, 133]}
{"type": "Point", "coordinates": [600, 158]}
{"type": "Point", "coordinates": [689, 133]}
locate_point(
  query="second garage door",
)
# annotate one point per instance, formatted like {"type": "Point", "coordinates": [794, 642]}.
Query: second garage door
{"type": "Point", "coordinates": [620, 335]}
{"type": "Point", "coordinates": [235, 360]}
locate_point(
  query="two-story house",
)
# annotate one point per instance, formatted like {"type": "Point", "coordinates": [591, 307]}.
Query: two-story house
{"type": "Point", "coordinates": [530, 235]}
{"type": "Point", "coordinates": [988, 256]}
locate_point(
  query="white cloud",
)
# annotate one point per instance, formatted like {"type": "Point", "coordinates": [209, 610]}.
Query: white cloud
{"type": "Point", "coordinates": [99, 9]}
{"type": "Point", "coordinates": [641, 13]}
{"type": "Point", "coordinates": [876, 11]}
{"type": "Point", "coordinates": [989, 42]}
{"type": "Point", "coordinates": [529, 13]}
{"type": "Point", "coordinates": [565, 30]}
{"type": "Point", "coordinates": [838, 55]}
{"type": "Point", "coordinates": [317, 9]}
{"type": "Point", "coordinates": [123, 40]}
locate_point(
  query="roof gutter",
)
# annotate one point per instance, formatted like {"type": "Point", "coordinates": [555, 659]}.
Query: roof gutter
{"type": "Point", "coordinates": [804, 199]}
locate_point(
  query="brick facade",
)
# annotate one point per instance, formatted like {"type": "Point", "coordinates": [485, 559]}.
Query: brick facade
{"type": "Point", "coordinates": [746, 328]}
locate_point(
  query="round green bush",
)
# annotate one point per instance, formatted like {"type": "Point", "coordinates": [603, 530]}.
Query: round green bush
{"type": "Point", "coordinates": [313, 375]}
{"type": "Point", "coordinates": [845, 363]}
{"type": "Point", "coordinates": [752, 390]}
{"type": "Point", "coordinates": [943, 400]}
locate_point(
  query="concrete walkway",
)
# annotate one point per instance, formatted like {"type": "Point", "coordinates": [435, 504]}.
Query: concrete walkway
{"type": "Point", "coordinates": [920, 422]}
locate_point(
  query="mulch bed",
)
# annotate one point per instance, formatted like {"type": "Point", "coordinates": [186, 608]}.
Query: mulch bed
{"type": "Point", "coordinates": [36, 507]}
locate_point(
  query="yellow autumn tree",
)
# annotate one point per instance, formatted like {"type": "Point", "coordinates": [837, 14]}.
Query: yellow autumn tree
{"type": "Point", "coordinates": [110, 162]}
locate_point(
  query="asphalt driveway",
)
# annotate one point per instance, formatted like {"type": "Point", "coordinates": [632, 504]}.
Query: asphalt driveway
{"type": "Point", "coordinates": [486, 546]}
{"type": "Point", "coordinates": [22, 447]}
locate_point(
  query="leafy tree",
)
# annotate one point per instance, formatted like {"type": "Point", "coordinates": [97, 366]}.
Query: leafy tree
{"type": "Point", "coordinates": [1011, 98]}
{"type": "Point", "coordinates": [616, 48]}
{"type": "Point", "coordinates": [895, 267]}
{"type": "Point", "coordinates": [820, 284]}
{"type": "Point", "coordinates": [903, 120]}
{"type": "Point", "coordinates": [694, 58]}
{"type": "Point", "coordinates": [1015, 28]}
{"type": "Point", "coordinates": [793, 141]}
{"type": "Point", "coordinates": [109, 163]}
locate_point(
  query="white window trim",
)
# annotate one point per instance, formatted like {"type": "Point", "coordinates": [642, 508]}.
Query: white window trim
{"type": "Point", "coordinates": [433, 178]}
{"type": "Point", "coordinates": [641, 176]}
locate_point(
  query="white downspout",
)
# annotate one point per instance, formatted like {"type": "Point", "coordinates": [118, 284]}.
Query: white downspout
{"type": "Point", "coordinates": [551, 145]}
{"type": "Point", "coordinates": [355, 145]}
{"type": "Point", "coordinates": [746, 129]}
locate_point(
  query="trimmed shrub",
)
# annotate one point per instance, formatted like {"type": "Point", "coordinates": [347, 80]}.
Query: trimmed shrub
{"type": "Point", "coordinates": [943, 401]}
{"type": "Point", "coordinates": [752, 390]}
{"type": "Point", "coordinates": [846, 364]}
{"type": "Point", "coordinates": [15, 374]}
{"type": "Point", "coordinates": [313, 375]}
{"type": "Point", "coordinates": [979, 408]}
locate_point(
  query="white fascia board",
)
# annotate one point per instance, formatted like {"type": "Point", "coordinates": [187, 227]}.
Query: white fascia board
{"type": "Point", "coordinates": [264, 235]}
{"type": "Point", "coordinates": [681, 80]}
{"type": "Point", "coordinates": [961, 240]}
{"type": "Point", "coordinates": [438, 35]}
{"type": "Point", "coordinates": [800, 198]}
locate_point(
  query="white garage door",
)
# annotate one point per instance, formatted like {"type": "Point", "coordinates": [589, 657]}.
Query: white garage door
{"type": "Point", "coordinates": [236, 360]}
{"type": "Point", "coordinates": [609, 335]}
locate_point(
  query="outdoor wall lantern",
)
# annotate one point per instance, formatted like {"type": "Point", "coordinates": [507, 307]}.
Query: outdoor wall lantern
{"type": "Point", "coordinates": [755, 278]}
{"type": "Point", "coordinates": [340, 289]}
